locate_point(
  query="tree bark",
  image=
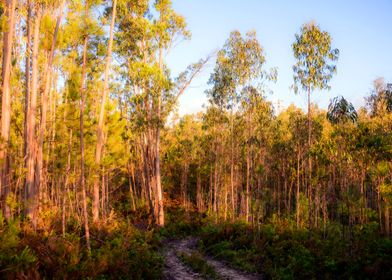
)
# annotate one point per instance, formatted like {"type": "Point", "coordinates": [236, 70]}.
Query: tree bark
{"type": "Point", "coordinates": [232, 164]}
{"type": "Point", "coordinates": [31, 190]}
{"type": "Point", "coordinates": [28, 78]}
{"type": "Point", "coordinates": [81, 122]}
{"type": "Point", "coordinates": [101, 119]}
{"type": "Point", "coordinates": [297, 195]}
{"type": "Point", "coordinates": [8, 36]}
{"type": "Point", "coordinates": [309, 158]}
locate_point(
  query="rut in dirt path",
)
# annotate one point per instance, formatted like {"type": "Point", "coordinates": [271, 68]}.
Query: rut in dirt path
{"type": "Point", "coordinates": [175, 269]}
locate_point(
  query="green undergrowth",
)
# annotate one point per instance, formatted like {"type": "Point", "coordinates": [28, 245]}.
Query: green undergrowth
{"type": "Point", "coordinates": [279, 253]}
{"type": "Point", "coordinates": [118, 251]}
{"type": "Point", "coordinates": [196, 261]}
{"type": "Point", "coordinates": [232, 243]}
{"type": "Point", "coordinates": [180, 223]}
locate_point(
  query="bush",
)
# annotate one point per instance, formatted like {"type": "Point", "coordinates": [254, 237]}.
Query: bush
{"type": "Point", "coordinates": [281, 253]}
{"type": "Point", "coordinates": [118, 251]}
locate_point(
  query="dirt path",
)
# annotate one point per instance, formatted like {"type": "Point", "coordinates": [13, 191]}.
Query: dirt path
{"type": "Point", "coordinates": [175, 269]}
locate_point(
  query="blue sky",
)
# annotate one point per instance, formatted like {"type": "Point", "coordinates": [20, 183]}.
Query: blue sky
{"type": "Point", "coordinates": [361, 30]}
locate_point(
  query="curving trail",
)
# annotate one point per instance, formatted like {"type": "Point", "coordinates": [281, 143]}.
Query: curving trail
{"type": "Point", "coordinates": [175, 269]}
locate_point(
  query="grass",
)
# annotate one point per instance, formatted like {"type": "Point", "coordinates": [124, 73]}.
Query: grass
{"type": "Point", "coordinates": [280, 253]}
{"type": "Point", "coordinates": [196, 261]}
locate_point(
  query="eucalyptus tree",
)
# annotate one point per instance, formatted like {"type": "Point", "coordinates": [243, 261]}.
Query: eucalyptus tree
{"type": "Point", "coordinates": [31, 146]}
{"type": "Point", "coordinates": [145, 35]}
{"type": "Point", "coordinates": [80, 56]}
{"type": "Point", "coordinates": [238, 64]}
{"type": "Point", "coordinates": [257, 115]}
{"type": "Point", "coordinates": [289, 140]}
{"type": "Point", "coordinates": [314, 67]}
{"type": "Point", "coordinates": [49, 48]}
{"type": "Point", "coordinates": [100, 127]}
{"type": "Point", "coordinates": [378, 141]}
{"type": "Point", "coordinates": [8, 39]}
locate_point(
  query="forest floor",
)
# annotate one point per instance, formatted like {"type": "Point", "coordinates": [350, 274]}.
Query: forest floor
{"type": "Point", "coordinates": [183, 261]}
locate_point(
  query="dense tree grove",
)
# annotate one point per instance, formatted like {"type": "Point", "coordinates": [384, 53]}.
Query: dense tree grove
{"type": "Point", "coordinates": [90, 138]}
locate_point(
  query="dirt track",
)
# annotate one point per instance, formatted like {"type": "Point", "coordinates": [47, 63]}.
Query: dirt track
{"type": "Point", "coordinates": [175, 269]}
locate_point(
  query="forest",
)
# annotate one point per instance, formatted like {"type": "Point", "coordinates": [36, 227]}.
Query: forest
{"type": "Point", "coordinates": [102, 178]}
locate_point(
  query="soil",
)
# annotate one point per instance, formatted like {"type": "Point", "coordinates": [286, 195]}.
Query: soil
{"type": "Point", "coordinates": [175, 269]}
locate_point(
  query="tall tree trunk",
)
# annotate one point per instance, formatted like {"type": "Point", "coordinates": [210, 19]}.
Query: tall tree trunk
{"type": "Point", "coordinates": [159, 192]}
{"type": "Point", "coordinates": [146, 172]}
{"type": "Point", "coordinates": [131, 179]}
{"type": "Point", "coordinates": [297, 195]}
{"type": "Point", "coordinates": [387, 219]}
{"type": "Point", "coordinates": [8, 36]}
{"type": "Point", "coordinates": [44, 100]}
{"type": "Point", "coordinates": [198, 190]}
{"type": "Point", "coordinates": [247, 184]}
{"type": "Point", "coordinates": [31, 190]}
{"type": "Point", "coordinates": [247, 169]}
{"type": "Point", "coordinates": [309, 158]}
{"type": "Point", "coordinates": [161, 215]}
{"type": "Point", "coordinates": [232, 164]}
{"type": "Point", "coordinates": [101, 119]}
{"type": "Point", "coordinates": [27, 73]}
{"type": "Point", "coordinates": [82, 179]}
{"type": "Point", "coordinates": [216, 185]}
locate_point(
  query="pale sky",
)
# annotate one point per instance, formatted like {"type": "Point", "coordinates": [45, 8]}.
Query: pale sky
{"type": "Point", "coordinates": [361, 30]}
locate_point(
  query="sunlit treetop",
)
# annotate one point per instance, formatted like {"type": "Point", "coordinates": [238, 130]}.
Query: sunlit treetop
{"type": "Point", "coordinates": [170, 26]}
{"type": "Point", "coordinates": [238, 64]}
{"type": "Point", "coordinates": [315, 58]}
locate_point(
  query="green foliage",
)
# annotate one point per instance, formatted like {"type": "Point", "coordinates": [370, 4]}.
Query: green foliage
{"type": "Point", "coordinates": [180, 223]}
{"type": "Point", "coordinates": [232, 243]}
{"type": "Point", "coordinates": [340, 110]}
{"type": "Point", "coordinates": [239, 63]}
{"type": "Point", "coordinates": [295, 254]}
{"type": "Point", "coordinates": [119, 251]}
{"type": "Point", "coordinates": [196, 261]}
{"type": "Point", "coordinates": [15, 257]}
{"type": "Point", "coordinates": [314, 67]}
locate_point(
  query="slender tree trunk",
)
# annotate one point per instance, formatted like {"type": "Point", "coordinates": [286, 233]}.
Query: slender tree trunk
{"type": "Point", "coordinates": [387, 219]}
{"type": "Point", "coordinates": [28, 73]}
{"type": "Point", "coordinates": [210, 207]}
{"type": "Point", "coordinates": [101, 119]}
{"type": "Point", "coordinates": [379, 205]}
{"type": "Point", "coordinates": [325, 213]}
{"type": "Point", "coordinates": [147, 181]}
{"type": "Point", "coordinates": [198, 191]}
{"type": "Point", "coordinates": [67, 173]}
{"type": "Point", "coordinates": [247, 170]}
{"type": "Point", "coordinates": [159, 192]}
{"type": "Point", "coordinates": [44, 100]}
{"type": "Point", "coordinates": [232, 164]}
{"type": "Point", "coordinates": [289, 202]}
{"type": "Point", "coordinates": [8, 36]}
{"type": "Point", "coordinates": [161, 215]}
{"type": "Point", "coordinates": [247, 185]}
{"type": "Point", "coordinates": [31, 198]}
{"type": "Point", "coordinates": [216, 186]}
{"type": "Point", "coordinates": [310, 158]}
{"type": "Point", "coordinates": [297, 204]}
{"type": "Point", "coordinates": [82, 178]}
{"type": "Point", "coordinates": [131, 185]}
